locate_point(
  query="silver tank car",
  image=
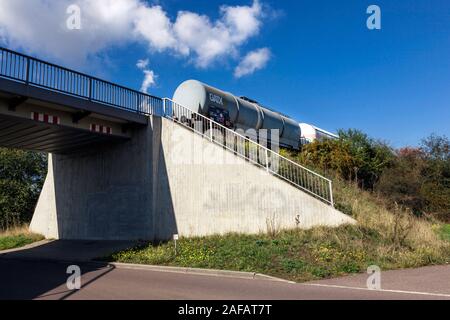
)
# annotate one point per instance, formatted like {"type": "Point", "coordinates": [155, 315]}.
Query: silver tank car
{"type": "Point", "coordinates": [312, 133]}
{"type": "Point", "coordinates": [236, 113]}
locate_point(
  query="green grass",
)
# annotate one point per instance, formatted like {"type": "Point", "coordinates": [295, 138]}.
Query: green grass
{"type": "Point", "coordinates": [389, 238]}
{"type": "Point", "coordinates": [295, 255]}
{"type": "Point", "coordinates": [17, 238]}
{"type": "Point", "coordinates": [445, 232]}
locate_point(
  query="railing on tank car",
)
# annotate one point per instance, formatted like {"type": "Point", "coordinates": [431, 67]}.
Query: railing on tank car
{"type": "Point", "coordinates": [297, 175]}
{"type": "Point", "coordinates": [34, 72]}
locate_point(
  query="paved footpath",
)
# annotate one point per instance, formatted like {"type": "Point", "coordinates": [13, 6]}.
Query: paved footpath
{"type": "Point", "coordinates": [24, 276]}
{"type": "Point", "coordinates": [27, 279]}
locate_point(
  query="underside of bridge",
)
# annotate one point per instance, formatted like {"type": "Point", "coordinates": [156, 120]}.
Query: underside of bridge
{"type": "Point", "coordinates": [28, 135]}
{"type": "Point", "coordinates": [59, 127]}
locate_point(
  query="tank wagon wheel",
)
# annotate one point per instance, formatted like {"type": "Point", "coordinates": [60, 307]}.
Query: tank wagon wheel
{"type": "Point", "coordinates": [187, 122]}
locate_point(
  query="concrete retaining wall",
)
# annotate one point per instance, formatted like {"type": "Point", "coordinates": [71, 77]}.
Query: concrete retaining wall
{"type": "Point", "coordinates": [167, 180]}
{"type": "Point", "coordinates": [104, 194]}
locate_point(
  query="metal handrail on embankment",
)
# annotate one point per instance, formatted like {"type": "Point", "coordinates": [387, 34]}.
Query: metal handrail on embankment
{"type": "Point", "coordinates": [34, 72]}
{"type": "Point", "coordinates": [244, 147]}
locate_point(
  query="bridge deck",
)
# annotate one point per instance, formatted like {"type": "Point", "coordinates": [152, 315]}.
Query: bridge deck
{"type": "Point", "coordinates": [78, 104]}
{"type": "Point", "coordinates": [45, 107]}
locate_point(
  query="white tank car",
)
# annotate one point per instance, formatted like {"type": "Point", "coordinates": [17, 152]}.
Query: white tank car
{"type": "Point", "coordinates": [310, 133]}
{"type": "Point", "coordinates": [237, 112]}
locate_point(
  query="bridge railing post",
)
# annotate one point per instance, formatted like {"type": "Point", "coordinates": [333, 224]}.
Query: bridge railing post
{"type": "Point", "coordinates": [139, 103]}
{"type": "Point", "coordinates": [211, 134]}
{"type": "Point", "coordinates": [164, 108]}
{"type": "Point", "coordinates": [330, 184]}
{"type": "Point", "coordinates": [27, 75]}
{"type": "Point", "coordinates": [90, 89]}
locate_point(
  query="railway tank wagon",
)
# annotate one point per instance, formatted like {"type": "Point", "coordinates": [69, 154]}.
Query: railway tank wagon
{"type": "Point", "coordinates": [237, 113]}
{"type": "Point", "coordinates": [311, 133]}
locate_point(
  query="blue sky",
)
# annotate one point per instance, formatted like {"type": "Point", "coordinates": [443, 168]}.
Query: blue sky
{"type": "Point", "coordinates": [325, 66]}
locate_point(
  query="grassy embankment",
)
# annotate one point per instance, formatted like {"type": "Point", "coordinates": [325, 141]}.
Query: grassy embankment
{"type": "Point", "coordinates": [390, 239]}
{"type": "Point", "coordinates": [17, 237]}
{"type": "Point", "coordinates": [445, 232]}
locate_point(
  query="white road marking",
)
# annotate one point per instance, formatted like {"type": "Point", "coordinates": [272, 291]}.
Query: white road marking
{"type": "Point", "coordinates": [381, 290]}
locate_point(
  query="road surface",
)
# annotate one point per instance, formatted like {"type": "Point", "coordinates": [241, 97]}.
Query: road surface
{"type": "Point", "coordinates": [31, 279]}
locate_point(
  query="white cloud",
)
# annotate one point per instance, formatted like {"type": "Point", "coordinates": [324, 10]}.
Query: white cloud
{"type": "Point", "coordinates": [243, 22]}
{"type": "Point", "coordinates": [153, 25]}
{"type": "Point", "coordinates": [142, 64]}
{"type": "Point", "coordinates": [39, 26]}
{"type": "Point", "coordinates": [252, 62]}
{"type": "Point", "coordinates": [149, 80]}
{"type": "Point", "coordinates": [210, 40]}
{"type": "Point", "coordinates": [149, 75]}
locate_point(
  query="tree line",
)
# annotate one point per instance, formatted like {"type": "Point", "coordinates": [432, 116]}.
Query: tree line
{"type": "Point", "coordinates": [22, 175]}
{"type": "Point", "coordinates": [417, 178]}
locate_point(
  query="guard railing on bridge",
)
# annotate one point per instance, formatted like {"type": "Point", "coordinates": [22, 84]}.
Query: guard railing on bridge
{"type": "Point", "coordinates": [35, 72]}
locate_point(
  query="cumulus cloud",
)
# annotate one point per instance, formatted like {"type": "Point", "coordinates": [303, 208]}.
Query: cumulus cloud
{"type": "Point", "coordinates": [153, 25]}
{"type": "Point", "coordinates": [142, 64]}
{"type": "Point", "coordinates": [149, 75]}
{"type": "Point", "coordinates": [252, 62]}
{"type": "Point", "coordinates": [149, 80]}
{"type": "Point", "coordinates": [39, 26]}
{"type": "Point", "coordinates": [212, 39]}
{"type": "Point", "coordinates": [243, 22]}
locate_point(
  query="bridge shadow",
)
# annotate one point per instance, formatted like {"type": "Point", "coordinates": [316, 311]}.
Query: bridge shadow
{"type": "Point", "coordinates": [94, 195]}
{"type": "Point", "coordinates": [41, 272]}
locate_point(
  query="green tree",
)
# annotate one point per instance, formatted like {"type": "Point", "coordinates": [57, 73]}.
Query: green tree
{"type": "Point", "coordinates": [436, 176]}
{"type": "Point", "coordinates": [371, 157]}
{"type": "Point", "coordinates": [21, 178]}
{"type": "Point", "coordinates": [420, 178]}
{"type": "Point", "coordinates": [402, 182]}
{"type": "Point", "coordinates": [354, 157]}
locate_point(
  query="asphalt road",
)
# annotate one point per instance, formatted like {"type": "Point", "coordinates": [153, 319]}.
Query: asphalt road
{"type": "Point", "coordinates": [29, 279]}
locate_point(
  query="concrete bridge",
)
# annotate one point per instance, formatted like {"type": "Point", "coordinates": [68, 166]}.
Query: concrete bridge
{"type": "Point", "coordinates": [49, 108]}
{"type": "Point", "coordinates": [125, 165]}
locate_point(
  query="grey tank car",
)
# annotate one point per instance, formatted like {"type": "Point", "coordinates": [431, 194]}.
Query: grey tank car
{"type": "Point", "coordinates": [237, 113]}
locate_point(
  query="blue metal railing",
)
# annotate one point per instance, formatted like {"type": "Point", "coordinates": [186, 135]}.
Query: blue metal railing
{"type": "Point", "coordinates": [34, 72]}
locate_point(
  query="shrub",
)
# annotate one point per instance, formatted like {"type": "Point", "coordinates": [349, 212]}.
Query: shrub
{"type": "Point", "coordinates": [415, 178]}
{"type": "Point", "coordinates": [353, 157]}
{"type": "Point", "coordinates": [21, 177]}
{"type": "Point", "coordinates": [420, 178]}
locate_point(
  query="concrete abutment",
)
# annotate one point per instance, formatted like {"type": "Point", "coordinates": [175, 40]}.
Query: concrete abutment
{"type": "Point", "coordinates": [167, 180]}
